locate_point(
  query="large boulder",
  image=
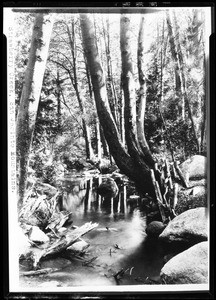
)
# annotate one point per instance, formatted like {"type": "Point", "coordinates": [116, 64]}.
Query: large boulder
{"type": "Point", "coordinates": [188, 267]}
{"type": "Point", "coordinates": [190, 227]}
{"type": "Point", "coordinates": [191, 198]}
{"type": "Point", "coordinates": [194, 168]}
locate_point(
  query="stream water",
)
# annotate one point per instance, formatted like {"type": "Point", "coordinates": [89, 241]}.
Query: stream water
{"type": "Point", "coordinates": [119, 242]}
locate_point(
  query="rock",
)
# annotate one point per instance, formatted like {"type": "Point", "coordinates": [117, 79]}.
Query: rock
{"type": "Point", "coordinates": [194, 167]}
{"type": "Point", "coordinates": [155, 228]}
{"type": "Point", "coordinates": [200, 182]}
{"type": "Point", "coordinates": [37, 235]}
{"type": "Point", "coordinates": [188, 267]}
{"type": "Point", "coordinates": [108, 188]}
{"type": "Point", "coordinates": [78, 246]}
{"type": "Point", "coordinates": [191, 198]}
{"type": "Point", "coordinates": [189, 227]}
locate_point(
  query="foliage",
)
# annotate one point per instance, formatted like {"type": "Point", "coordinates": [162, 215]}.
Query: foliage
{"type": "Point", "coordinates": [163, 121]}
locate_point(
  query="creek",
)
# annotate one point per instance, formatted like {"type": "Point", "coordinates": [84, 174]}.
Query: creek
{"type": "Point", "coordinates": [118, 243]}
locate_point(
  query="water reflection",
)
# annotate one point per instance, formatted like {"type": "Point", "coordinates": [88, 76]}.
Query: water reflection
{"type": "Point", "coordinates": [119, 241]}
{"type": "Point", "coordinates": [81, 197]}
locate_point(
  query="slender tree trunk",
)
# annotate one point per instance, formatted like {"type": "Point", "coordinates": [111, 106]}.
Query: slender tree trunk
{"type": "Point", "coordinates": [203, 110]}
{"type": "Point", "coordinates": [183, 83]}
{"type": "Point", "coordinates": [163, 59]}
{"type": "Point", "coordinates": [179, 95]}
{"type": "Point", "coordinates": [110, 83]}
{"type": "Point", "coordinates": [98, 138]}
{"type": "Point", "coordinates": [130, 96]}
{"type": "Point", "coordinates": [139, 173]}
{"type": "Point", "coordinates": [58, 100]}
{"type": "Point", "coordinates": [104, 143]}
{"type": "Point", "coordinates": [122, 122]}
{"type": "Point", "coordinates": [142, 98]}
{"type": "Point", "coordinates": [74, 81]}
{"type": "Point", "coordinates": [30, 96]}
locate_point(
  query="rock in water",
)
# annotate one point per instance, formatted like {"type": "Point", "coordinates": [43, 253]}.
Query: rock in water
{"type": "Point", "coordinates": [155, 228]}
{"type": "Point", "coordinates": [188, 267]}
{"type": "Point", "coordinates": [108, 188]}
{"type": "Point", "coordinates": [189, 227]}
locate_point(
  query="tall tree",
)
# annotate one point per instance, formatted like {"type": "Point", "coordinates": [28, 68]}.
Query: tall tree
{"type": "Point", "coordinates": [180, 61]}
{"type": "Point", "coordinates": [174, 52]}
{"type": "Point", "coordinates": [74, 81]}
{"type": "Point", "coordinates": [111, 91]}
{"type": "Point", "coordinates": [142, 96]}
{"type": "Point", "coordinates": [130, 163]}
{"type": "Point", "coordinates": [27, 113]}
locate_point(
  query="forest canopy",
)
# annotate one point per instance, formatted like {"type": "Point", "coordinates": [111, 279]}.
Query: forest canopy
{"type": "Point", "coordinates": [130, 87]}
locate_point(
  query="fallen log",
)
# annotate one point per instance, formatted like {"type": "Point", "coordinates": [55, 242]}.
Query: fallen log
{"type": "Point", "coordinates": [63, 243]}
{"type": "Point", "coordinates": [38, 272]}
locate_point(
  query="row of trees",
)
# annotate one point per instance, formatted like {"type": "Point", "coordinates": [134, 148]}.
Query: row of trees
{"type": "Point", "coordinates": [91, 97]}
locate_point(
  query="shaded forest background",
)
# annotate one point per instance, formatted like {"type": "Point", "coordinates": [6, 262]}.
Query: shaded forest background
{"type": "Point", "coordinates": [172, 60]}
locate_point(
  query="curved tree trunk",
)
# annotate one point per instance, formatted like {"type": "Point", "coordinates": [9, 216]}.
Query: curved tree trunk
{"type": "Point", "coordinates": [142, 97]}
{"type": "Point", "coordinates": [140, 173]}
{"type": "Point", "coordinates": [29, 101]}
{"type": "Point", "coordinates": [130, 96]}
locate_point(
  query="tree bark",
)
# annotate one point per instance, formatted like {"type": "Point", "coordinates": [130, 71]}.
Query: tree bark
{"type": "Point", "coordinates": [183, 83]}
{"type": "Point", "coordinates": [58, 100]}
{"type": "Point", "coordinates": [140, 173]}
{"type": "Point", "coordinates": [128, 84]}
{"type": "Point", "coordinates": [86, 128]}
{"type": "Point", "coordinates": [30, 96]}
{"type": "Point", "coordinates": [110, 83]}
{"type": "Point", "coordinates": [142, 97]}
{"type": "Point", "coordinates": [174, 54]}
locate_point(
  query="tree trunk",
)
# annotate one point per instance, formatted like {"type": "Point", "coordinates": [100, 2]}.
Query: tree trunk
{"type": "Point", "coordinates": [183, 83]}
{"type": "Point", "coordinates": [142, 98]}
{"type": "Point", "coordinates": [30, 96]}
{"type": "Point", "coordinates": [174, 54]}
{"type": "Point", "coordinates": [122, 122]}
{"type": "Point", "coordinates": [58, 101]}
{"type": "Point", "coordinates": [128, 84]}
{"type": "Point", "coordinates": [104, 143]}
{"type": "Point", "coordinates": [110, 84]}
{"type": "Point", "coordinates": [74, 81]}
{"type": "Point", "coordinates": [140, 173]}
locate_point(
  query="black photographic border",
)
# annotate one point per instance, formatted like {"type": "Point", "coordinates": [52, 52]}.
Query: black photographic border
{"type": "Point", "coordinates": [6, 294]}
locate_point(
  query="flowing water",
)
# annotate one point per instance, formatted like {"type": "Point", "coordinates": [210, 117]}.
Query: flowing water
{"type": "Point", "coordinates": [118, 243]}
